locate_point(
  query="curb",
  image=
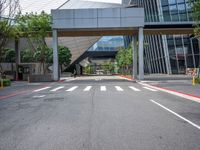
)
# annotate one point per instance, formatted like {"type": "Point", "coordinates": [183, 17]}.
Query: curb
{"type": "Point", "coordinates": [61, 81]}
{"type": "Point", "coordinates": [174, 92]}
{"type": "Point", "coordinates": [125, 77]}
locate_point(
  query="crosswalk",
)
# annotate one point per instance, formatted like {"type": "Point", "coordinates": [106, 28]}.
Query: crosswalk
{"type": "Point", "coordinates": [56, 89]}
{"type": "Point", "coordinates": [72, 89]}
{"type": "Point", "coordinates": [134, 89]}
{"type": "Point", "coordinates": [103, 88]}
{"type": "Point", "coordinates": [89, 88]}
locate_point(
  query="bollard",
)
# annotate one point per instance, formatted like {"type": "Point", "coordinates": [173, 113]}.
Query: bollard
{"type": "Point", "coordinates": [193, 80]}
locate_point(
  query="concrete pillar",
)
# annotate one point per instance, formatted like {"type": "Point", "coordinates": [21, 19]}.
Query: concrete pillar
{"type": "Point", "coordinates": [141, 53]}
{"type": "Point", "coordinates": [135, 54]}
{"type": "Point", "coordinates": [55, 56]}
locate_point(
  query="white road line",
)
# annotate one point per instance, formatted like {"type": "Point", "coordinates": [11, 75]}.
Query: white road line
{"type": "Point", "coordinates": [103, 88]}
{"type": "Point", "coordinates": [58, 88]}
{"type": "Point", "coordinates": [88, 88]}
{"type": "Point", "coordinates": [38, 90]}
{"type": "Point", "coordinates": [133, 88]}
{"type": "Point", "coordinates": [118, 88]}
{"type": "Point", "coordinates": [150, 89]}
{"type": "Point", "coordinates": [188, 121]}
{"type": "Point", "coordinates": [72, 89]}
{"type": "Point", "coordinates": [196, 99]}
{"type": "Point", "coordinates": [39, 96]}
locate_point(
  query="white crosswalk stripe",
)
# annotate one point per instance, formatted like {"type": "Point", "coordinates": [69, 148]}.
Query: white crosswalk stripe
{"type": "Point", "coordinates": [150, 89]}
{"type": "Point", "coordinates": [103, 88]}
{"type": "Point", "coordinates": [72, 89]}
{"type": "Point", "coordinates": [88, 88]}
{"type": "Point", "coordinates": [38, 90]}
{"type": "Point", "coordinates": [38, 96]}
{"type": "Point", "coordinates": [134, 89]}
{"type": "Point", "coordinates": [118, 88]}
{"type": "Point", "coordinates": [58, 88]}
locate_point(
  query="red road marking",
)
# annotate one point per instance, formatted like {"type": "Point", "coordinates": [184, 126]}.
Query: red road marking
{"type": "Point", "coordinates": [19, 93]}
{"type": "Point", "coordinates": [194, 96]}
{"type": "Point", "coordinates": [130, 78]}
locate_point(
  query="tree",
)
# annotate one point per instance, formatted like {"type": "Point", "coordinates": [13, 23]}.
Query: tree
{"type": "Point", "coordinates": [124, 58]}
{"type": "Point", "coordinates": [8, 10]}
{"type": "Point", "coordinates": [35, 28]}
{"type": "Point", "coordinates": [108, 67]}
{"type": "Point", "coordinates": [10, 56]}
{"type": "Point", "coordinates": [195, 4]}
{"type": "Point", "coordinates": [27, 56]}
{"type": "Point", "coordinates": [64, 56]}
{"type": "Point", "coordinates": [42, 55]}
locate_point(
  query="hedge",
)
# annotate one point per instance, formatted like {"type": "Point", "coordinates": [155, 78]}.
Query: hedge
{"type": "Point", "coordinates": [197, 80]}
{"type": "Point", "coordinates": [6, 82]}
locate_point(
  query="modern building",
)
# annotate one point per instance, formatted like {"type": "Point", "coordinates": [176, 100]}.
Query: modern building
{"type": "Point", "coordinates": [168, 54]}
{"type": "Point", "coordinates": [165, 54]}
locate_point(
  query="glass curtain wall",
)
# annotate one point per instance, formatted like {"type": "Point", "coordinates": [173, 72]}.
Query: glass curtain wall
{"type": "Point", "coordinates": [183, 54]}
{"type": "Point", "coordinates": [169, 53]}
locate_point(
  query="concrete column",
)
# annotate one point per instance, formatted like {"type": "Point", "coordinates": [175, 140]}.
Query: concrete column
{"type": "Point", "coordinates": [135, 54]}
{"type": "Point", "coordinates": [141, 53]}
{"type": "Point", "coordinates": [55, 56]}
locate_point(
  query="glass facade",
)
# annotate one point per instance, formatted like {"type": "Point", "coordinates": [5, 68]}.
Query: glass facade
{"type": "Point", "coordinates": [169, 54]}
{"type": "Point", "coordinates": [108, 43]}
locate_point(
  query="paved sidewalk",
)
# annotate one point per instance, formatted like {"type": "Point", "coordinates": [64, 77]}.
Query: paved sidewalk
{"type": "Point", "coordinates": [179, 83]}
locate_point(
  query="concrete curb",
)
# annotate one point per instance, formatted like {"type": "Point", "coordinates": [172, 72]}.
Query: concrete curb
{"type": "Point", "coordinates": [173, 92]}
{"type": "Point", "coordinates": [125, 77]}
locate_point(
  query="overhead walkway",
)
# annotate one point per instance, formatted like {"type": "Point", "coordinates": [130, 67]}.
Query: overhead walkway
{"type": "Point", "coordinates": [165, 28]}
{"type": "Point", "coordinates": [150, 28]}
{"type": "Point", "coordinates": [78, 18]}
{"type": "Point", "coordinates": [99, 21]}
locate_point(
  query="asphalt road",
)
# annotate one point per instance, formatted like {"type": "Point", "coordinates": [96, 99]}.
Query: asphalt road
{"type": "Point", "coordinates": [98, 114]}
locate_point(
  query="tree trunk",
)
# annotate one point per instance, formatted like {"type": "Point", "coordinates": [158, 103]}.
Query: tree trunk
{"type": "Point", "coordinates": [61, 69]}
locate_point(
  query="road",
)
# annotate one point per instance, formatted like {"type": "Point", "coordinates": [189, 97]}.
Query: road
{"type": "Point", "coordinates": [98, 114]}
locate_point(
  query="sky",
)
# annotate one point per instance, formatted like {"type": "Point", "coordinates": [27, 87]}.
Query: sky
{"type": "Point", "coordinates": [47, 5]}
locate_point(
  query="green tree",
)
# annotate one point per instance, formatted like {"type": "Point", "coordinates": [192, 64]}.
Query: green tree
{"type": "Point", "coordinates": [11, 8]}
{"type": "Point", "coordinates": [27, 56]}
{"type": "Point", "coordinates": [124, 58]}
{"type": "Point", "coordinates": [42, 55]}
{"type": "Point", "coordinates": [108, 66]}
{"type": "Point", "coordinates": [10, 56]}
{"type": "Point", "coordinates": [64, 55]}
{"type": "Point", "coordinates": [195, 4]}
{"type": "Point", "coordinates": [35, 27]}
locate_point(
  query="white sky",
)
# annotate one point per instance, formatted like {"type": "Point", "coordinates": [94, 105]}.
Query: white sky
{"type": "Point", "coordinates": [47, 5]}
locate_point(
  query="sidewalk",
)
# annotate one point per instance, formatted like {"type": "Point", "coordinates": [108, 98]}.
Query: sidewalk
{"type": "Point", "coordinates": [179, 83]}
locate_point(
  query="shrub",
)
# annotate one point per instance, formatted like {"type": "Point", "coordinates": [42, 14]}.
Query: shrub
{"type": "Point", "coordinates": [6, 82]}
{"type": "Point", "coordinates": [197, 80]}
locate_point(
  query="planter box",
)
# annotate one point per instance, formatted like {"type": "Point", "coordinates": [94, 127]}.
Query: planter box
{"type": "Point", "coordinates": [40, 78]}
